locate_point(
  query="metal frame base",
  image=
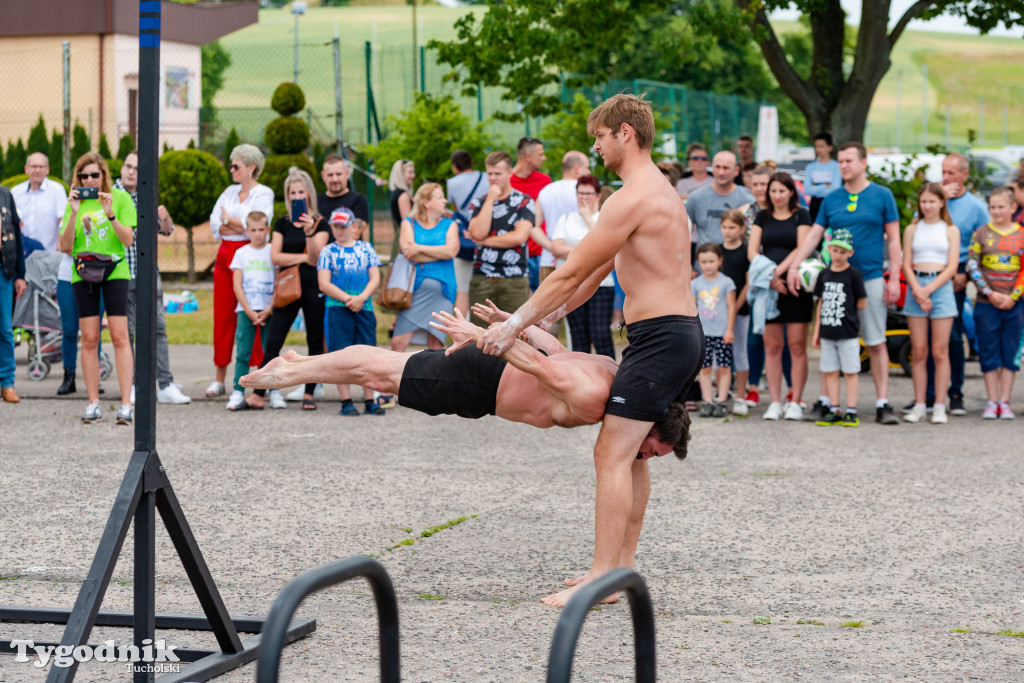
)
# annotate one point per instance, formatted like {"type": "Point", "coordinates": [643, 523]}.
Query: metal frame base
{"type": "Point", "coordinates": [196, 665]}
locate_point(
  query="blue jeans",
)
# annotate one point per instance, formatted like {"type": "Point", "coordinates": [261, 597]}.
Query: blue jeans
{"type": "Point", "coordinates": [999, 335]}
{"type": "Point", "coordinates": [957, 359]}
{"type": "Point", "coordinates": [533, 265]}
{"type": "Point", "coordinates": [6, 333]}
{"type": "Point", "coordinates": [755, 354]}
{"type": "Point", "coordinates": [69, 325]}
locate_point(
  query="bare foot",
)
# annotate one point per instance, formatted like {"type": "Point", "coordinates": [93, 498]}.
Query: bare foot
{"type": "Point", "coordinates": [575, 580]}
{"type": "Point", "coordinates": [272, 376]}
{"type": "Point", "coordinates": [254, 401]}
{"type": "Point", "coordinates": [561, 599]}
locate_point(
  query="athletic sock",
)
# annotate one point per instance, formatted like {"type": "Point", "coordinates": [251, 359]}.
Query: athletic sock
{"type": "Point", "coordinates": [367, 403]}
{"type": "Point", "coordinates": [851, 411]}
{"type": "Point", "coordinates": [881, 403]}
{"type": "Point", "coordinates": [346, 402]}
{"type": "Point", "coordinates": [825, 401]}
{"type": "Point", "coordinates": [922, 406]}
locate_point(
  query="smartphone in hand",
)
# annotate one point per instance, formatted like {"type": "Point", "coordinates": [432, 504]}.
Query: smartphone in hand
{"type": "Point", "coordinates": [88, 192]}
{"type": "Point", "coordinates": [298, 208]}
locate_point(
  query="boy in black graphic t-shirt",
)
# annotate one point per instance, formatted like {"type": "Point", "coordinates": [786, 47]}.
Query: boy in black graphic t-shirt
{"type": "Point", "coordinates": [840, 293]}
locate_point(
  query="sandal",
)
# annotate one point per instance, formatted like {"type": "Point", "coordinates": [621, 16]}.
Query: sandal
{"type": "Point", "coordinates": [307, 404]}
{"type": "Point", "coordinates": [386, 401]}
{"type": "Point", "coordinates": [691, 405]}
{"type": "Point", "coordinates": [348, 410]}
{"type": "Point", "coordinates": [245, 406]}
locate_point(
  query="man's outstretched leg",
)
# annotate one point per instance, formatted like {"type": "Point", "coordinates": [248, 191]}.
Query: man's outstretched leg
{"type": "Point", "coordinates": [614, 455]}
{"type": "Point", "coordinates": [368, 366]}
{"type": "Point", "coordinates": [641, 493]}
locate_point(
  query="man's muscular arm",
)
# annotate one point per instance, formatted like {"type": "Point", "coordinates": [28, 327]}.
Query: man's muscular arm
{"type": "Point", "coordinates": [558, 379]}
{"type": "Point", "coordinates": [596, 249]}
{"type": "Point", "coordinates": [535, 336]}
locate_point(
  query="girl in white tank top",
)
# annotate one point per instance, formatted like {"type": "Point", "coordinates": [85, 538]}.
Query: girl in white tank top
{"type": "Point", "coordinates": [931, 251]}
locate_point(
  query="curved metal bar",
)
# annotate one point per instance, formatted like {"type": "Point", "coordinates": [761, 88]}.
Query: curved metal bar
{"type": "Point", "coordinates": [567, 632]}
{"type": "Point", "coordinates": [316, 580]}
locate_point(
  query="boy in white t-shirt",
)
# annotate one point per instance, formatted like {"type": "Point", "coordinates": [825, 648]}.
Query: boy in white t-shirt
{"type": "Point", "coordinates": [253, 279]}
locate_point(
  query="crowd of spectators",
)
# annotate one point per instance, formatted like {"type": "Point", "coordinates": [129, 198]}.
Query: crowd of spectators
{"type": "Point", "coordinates": [494, 235]}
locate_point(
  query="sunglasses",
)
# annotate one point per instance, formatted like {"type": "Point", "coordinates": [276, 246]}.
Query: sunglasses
{"type": "Point", "coordinates": [852, 206]}
{"type": "Point", "coordinates": [235, 167]}
{"type": "Point", "coordinates": [700, 158]}
{"type": "Point", "coordinates": [92, 176]}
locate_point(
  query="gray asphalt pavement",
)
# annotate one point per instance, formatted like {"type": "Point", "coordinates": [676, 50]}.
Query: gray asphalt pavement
{"type": "Point", "coordinates": [776, 551]}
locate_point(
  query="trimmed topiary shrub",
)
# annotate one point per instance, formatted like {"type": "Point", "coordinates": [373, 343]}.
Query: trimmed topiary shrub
{"type": "Point", "coordinates": [288, 99]}
{"type": "Point", "coordinates": [190, 183]}
{"type": "Point", "coordinates": [22, 177]}
{"type": "Point", "coordinates": [275, 170]}
{"type": "Point", "coordinates": [286, 135]}
{"type": "Point", "coordinates": [125, 146]}
{"type": "Point", "coordinates": [115, 168]}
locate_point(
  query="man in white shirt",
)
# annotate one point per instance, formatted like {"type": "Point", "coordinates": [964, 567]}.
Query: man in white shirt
{"type": "Point", "coordinates": [558, 199]}
{"type": "Point", "coordinates": [41, 202]}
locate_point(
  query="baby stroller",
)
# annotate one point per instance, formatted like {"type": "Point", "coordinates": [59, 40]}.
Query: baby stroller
{"type": "Point", "coordinates": [37, 316]}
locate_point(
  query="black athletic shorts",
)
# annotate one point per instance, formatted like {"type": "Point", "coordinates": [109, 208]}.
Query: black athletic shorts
{"type": "Point", "coordinates": [662, 360]}
{"type": "Point", "coordinates": [87, 297]}
{"type": "Point", "coordinates": [464, 383]}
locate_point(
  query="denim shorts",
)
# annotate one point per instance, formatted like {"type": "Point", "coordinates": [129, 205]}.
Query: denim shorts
{"type": "Point", "coordinates": [943, 301]}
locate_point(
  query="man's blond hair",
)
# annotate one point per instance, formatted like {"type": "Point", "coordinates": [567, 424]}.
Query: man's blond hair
{"type": "Point", "coordinates": [629, 109]}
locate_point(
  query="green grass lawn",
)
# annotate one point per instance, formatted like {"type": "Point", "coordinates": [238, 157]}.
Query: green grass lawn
{"type": "Point", "coordinates": [962, 69]}
{"type": "Point", "coordinates": [197, 327]}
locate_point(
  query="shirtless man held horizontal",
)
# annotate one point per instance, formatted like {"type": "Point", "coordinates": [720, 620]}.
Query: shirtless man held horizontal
{"type": "Point", "coordinates": [540, 383]}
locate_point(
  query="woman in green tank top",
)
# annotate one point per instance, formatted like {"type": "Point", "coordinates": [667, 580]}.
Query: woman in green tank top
{"type": "Point", "coordinates": [104, 225]}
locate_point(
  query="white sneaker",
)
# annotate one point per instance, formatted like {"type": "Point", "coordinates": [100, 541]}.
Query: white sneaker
{"type": "Point", "coordinates": [299, 393]}
{"type": "Point", "coordinates": [131, 398]}
{"type": "Point", "coordinates": [939, 415]}
{"type": "Point", "coordinates": [774, 411]}
{"type": "Point", "coordinates": [215, 389]}
{"type": "Point", "coordinates": [277, 400]}
{"type": "Point", "coordinates": [92, 413]}
{"type": "Point", "coordinates": [794, 412]}
{"type": "Point", "coordinates": [171, 394]}
{"type": "Point", "coordinates": [124, 415]}
{"type": "Point", "coordinates": [739, 407]}
{"type": "Point", "coordinates": [237, 398]}
{"type": "Point", "coordinates": [917, 414]}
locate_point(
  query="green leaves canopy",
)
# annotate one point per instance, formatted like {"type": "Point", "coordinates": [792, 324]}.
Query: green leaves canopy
{"type": "Point", "coordinates": [428, 132]}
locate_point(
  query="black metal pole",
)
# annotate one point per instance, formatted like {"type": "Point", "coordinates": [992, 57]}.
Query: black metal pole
{"type": "Point", "coordinates": [145, 234]}
{"type": "Point", "coordinates": [145, 341]}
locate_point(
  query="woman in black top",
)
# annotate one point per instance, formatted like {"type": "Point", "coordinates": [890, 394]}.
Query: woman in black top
{"type": "Point", "coordinates": [297, 243]}
{"type": "Point", "coordinates": [779, 231]}
{"type": "Point", "coordinates": [403, 172]}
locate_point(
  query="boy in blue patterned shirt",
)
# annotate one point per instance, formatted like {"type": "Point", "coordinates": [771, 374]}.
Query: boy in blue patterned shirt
{"type": "Point", "coordinates": [348, 271]}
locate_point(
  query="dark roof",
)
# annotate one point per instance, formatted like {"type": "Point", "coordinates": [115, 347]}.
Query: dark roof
{"type": "Point", "coordinates": [196, 24]}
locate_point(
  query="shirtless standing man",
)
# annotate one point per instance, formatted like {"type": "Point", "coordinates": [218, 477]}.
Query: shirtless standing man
{"type": "Point", "coordinates": [642, 233]}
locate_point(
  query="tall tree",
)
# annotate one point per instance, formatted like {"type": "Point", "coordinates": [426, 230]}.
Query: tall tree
{"type": "Point", "coordinates": [525, 47]}
{"type": "Point", "coordinates": [37, 141]}
{"type": "Point", "coordinates": [835, 94]}
{"type": "Point", "coordinates": [216, 61]}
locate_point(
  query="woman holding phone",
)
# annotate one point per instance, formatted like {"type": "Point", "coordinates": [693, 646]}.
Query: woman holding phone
{"type": "Point", "coordinates": [298, 239]}
{"type": "Point", "coordinates": [99, 223]}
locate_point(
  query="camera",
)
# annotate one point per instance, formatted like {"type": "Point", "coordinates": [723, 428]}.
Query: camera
{"type": "Point", "coordinates": [88, 192]}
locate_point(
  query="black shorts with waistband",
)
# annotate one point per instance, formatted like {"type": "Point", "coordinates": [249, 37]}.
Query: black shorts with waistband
{"type": "Point", "coordinates": [464, 383]}
{"type": "Point", "coordinates": [662, 360]}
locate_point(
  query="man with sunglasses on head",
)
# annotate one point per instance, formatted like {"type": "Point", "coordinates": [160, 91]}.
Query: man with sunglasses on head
{"type": "Point", "coordinates": [698, 159]}
{"type": "Point", "coordinates": [869, 212]}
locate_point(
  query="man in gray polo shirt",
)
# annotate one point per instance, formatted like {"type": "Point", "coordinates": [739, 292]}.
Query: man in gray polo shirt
{"type": "Point", "coordinates": [707, 204]}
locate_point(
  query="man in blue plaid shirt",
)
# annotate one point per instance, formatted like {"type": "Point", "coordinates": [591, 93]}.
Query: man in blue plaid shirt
{"type": "Point", "coordinates": [167, 390]}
